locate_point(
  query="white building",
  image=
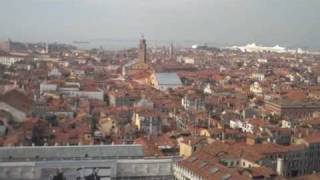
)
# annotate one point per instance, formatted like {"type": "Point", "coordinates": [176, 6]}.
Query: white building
{"type": "Point", "coordinates": [9, 60]}
{"type": "Point", "coordinates": [207, 89]}
{"type": "Point", "coordinates": [244, 126]}
{"type": "Point", "coordinates": [254, 48]}
{"type": "Point", "coordinates": [55, 72]}
{"type": "Point", "coordinates": [46, 87]}
{"type": "Point", "coordinates": [186, 60]}
{"type": "Point", "coordinates": [72, 89]}
{"type": "Point", "coordinates": [260, 60]}
{"type": "Point", "coordinates": [247, 127]}
{"type": "Point", "coordinates": [98, 94]}
{"type": "Point", "coordinates": [258, 76]}
{"type": "Point", "coordinates": [256, 89]}
{"type": "Point", "coordinates": [235, 124]}
{"type": "Point", "coordinates": [103, 162]}
{"type": "Point", "coordinates": [291, 77]}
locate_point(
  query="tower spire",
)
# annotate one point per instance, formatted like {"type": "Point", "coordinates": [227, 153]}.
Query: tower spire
{"type": "Point", "coordinates": [143, 50]}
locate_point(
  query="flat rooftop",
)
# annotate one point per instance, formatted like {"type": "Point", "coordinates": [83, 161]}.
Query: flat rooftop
{"type": "Point", "coordinates": [39, 153]}
{"type": "Point", "coordinates": [290, 103]}
{"type": "Point", "coordinates": [168, 79]}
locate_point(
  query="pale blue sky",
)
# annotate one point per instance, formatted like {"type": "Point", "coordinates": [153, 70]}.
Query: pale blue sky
{"type": "Point", "coordinates": [284, 22]}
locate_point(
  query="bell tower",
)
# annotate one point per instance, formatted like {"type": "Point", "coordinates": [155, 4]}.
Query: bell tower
{"type": "Point", "coordinates": [143, 51]}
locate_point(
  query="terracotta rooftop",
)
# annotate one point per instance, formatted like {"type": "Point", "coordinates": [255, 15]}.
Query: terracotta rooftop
{"type": "Point", "coordinates": [258, 122]}
{"type": "Point", "coordinates": [315, 176]}
{"type": "Point", "coordinates": [262, 172]}
{"type": "Point", "coordinates": [313, 138]}
{"type": "Point", "coordinates": [208, 167]}
{"type": "Point", "coordinates": [17, 100]}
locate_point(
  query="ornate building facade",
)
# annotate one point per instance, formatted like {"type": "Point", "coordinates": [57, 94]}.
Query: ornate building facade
{"type": "Point", "coordinates": [141, 71]}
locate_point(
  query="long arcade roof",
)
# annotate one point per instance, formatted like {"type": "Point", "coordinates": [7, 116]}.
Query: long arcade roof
{"type": "Point", "coordinates": [70, 152]}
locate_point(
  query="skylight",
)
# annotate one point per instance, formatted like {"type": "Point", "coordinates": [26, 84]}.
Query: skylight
{"type": "Point", "coordinates": [214, 170]}
{"type": "Point", "coordinates": [203, 164]}
{"type": "Point", "coordinates": [192, 159]}
{"type": "Point", "coordinates": [226, 177]}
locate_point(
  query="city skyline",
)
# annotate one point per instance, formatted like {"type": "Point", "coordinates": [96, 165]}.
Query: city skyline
{"type": "Point", "coordinates": [153, 90]}
{"type": "Point", "coordinates": [221, 23]}
{"type": "Point", "coordinates": [247, 112]}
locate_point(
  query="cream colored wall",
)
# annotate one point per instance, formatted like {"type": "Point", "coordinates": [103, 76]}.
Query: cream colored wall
{"type": "Point", "coordinates": [106, 125]}
{"type": "Point", "coordinates": [86, 139]}
{"type": "Point", "coordinates": [185, 150]}
{"type": "Point", "coordinates": [247, 164]}
{"type": "Point", "coordinates": [137, 121]}
{"type": "Point", "coordinates": [205, 132]}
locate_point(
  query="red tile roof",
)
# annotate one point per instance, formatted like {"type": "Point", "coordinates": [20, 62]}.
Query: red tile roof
{"type": "Point", "coordinates": [18, 100]}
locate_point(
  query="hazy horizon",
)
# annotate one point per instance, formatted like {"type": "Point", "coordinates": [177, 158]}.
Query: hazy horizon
{"type": "Point", "coordinates": [290, 23]}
